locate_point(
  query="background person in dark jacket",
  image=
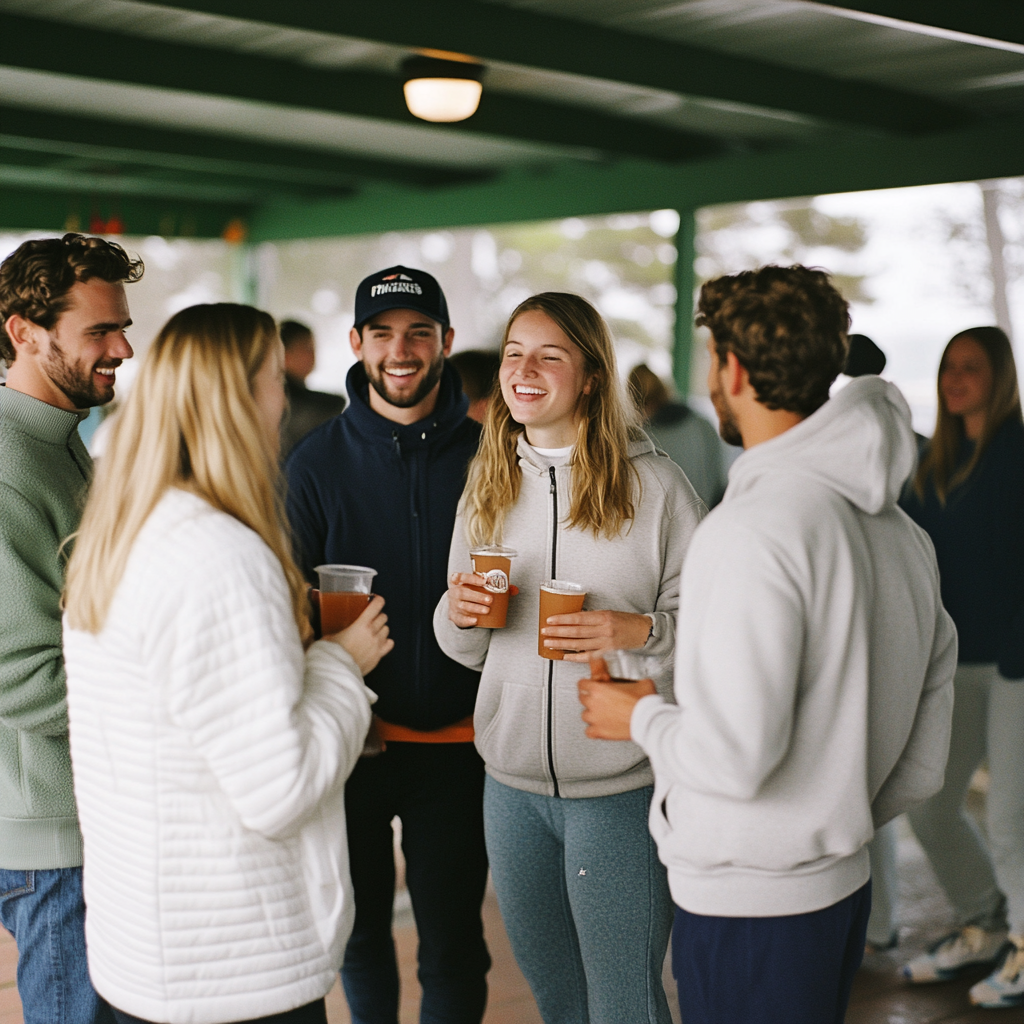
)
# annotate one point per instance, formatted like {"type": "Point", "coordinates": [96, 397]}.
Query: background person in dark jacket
{"type": "Point", "coordinates": [306, 409]}
{"type": "Point", "coordinates": [969, 495]}
{"type": "Point", "coordinates": [379, 486]}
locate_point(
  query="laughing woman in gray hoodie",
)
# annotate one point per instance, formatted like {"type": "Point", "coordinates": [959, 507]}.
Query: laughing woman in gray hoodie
{"type": "Point", "coordinates": [565, 477]}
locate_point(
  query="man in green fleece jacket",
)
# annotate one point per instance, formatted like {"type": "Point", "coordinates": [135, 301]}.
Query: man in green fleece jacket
{"type": "Point", "coordinates": [63, 315]}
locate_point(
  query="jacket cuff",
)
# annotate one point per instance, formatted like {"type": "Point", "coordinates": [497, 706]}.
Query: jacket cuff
{"type": "Point", "coordinates": [644, 710]}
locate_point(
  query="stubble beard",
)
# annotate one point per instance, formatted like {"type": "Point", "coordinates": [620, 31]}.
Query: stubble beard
{"type": "Point", "coordinates": [728, 429]}
{"type": "Point", "coordinates": [378, 382]}
{"type": "Point", "coordinates": [75, 381]}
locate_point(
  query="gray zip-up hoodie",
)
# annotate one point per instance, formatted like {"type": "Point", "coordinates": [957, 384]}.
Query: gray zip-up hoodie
{"type": "Point", "coordinates": [528, 725]}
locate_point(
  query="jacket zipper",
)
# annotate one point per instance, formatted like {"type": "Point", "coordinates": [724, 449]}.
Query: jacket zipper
{"type": "Point", "coordinates": [551, 664]}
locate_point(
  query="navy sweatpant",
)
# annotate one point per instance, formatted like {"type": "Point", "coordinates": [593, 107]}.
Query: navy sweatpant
{"type": "Point", "coordinates": [765, 970]}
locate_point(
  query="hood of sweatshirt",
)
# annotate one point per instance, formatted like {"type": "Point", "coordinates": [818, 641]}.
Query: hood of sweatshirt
{"type": "Point", "coordinates": [860, 443]}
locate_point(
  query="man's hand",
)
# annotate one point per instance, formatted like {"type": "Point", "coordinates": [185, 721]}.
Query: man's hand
{"type": "Point", "coordinates": [608, 707]}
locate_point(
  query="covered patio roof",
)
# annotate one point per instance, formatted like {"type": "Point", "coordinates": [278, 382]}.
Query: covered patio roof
{"type": "Point", "coordinates": [289, 117]}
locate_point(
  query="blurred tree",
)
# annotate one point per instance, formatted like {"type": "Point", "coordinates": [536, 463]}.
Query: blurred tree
{"type": "Point", "coordinates": [742, 236]}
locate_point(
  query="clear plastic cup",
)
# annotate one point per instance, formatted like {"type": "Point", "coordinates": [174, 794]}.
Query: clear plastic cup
{"type": "Point", "coordinates": [494, 563]}
{"type": "Point", "coordinates": [557, 597]}
{"type": "Point", "coordinates": [344, 595]}
{"type": "Point", "coordinates": [626, 666]}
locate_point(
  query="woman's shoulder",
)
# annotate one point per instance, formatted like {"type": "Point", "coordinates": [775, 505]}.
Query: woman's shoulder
{"type": "Point", "coordinates": [186, 537]}
{"type": "Point", "coordinates": [661, 472]}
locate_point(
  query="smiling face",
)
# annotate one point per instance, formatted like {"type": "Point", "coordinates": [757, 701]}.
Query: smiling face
{"type": "Point", "coordinates": [542, 376]}
{"type": "Point", "coordinates": [75, 363]}
{"type": "Point", "coordinates": [403, 353]}
{"type": "Point", "coordinates": [966, 378]}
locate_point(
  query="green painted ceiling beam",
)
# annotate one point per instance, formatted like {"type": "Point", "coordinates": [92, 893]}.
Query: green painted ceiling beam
{"type": "Point", "coordinates": [214, 154]}
{"type": "Point", "coordinates": [24, 209]}
{"type": "Point", "coordinates": [492, 31]}
{"type": "Point", "coordinates": [989, 19]}
{"type": "Point", "coordinates": [992, 150]}
{"type": "Point", "coordinates": [73, 49]}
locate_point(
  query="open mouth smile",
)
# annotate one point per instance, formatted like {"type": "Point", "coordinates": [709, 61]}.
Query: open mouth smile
{"type": "Point", "coordinates": [525, 390]}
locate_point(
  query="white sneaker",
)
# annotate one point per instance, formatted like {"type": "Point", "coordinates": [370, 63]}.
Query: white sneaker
{"type": "Point", "coordinates": [965, 948]}
{"type": "Point", "coordinates": [1004, 986]}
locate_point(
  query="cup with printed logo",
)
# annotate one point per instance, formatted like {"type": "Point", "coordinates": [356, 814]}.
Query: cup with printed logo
{"type": "Point", "coordinates": [344, 595]}
{"type": "Point", "coordinates": [557, 597]}
{"type": "Point", "coordinates": [624, 666]}
{"type": "Point", "coordinates": [494, 563]}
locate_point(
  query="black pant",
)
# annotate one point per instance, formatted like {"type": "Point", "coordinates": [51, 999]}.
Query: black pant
{"type": "Point", "coordinates": [311, 1013]}
{"type": "Point", "coordinates": [436, 789]}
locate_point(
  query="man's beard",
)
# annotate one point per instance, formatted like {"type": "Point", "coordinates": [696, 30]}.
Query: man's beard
{"type": "Point", "coordinates": [75, 381]}
{"type": "Point", "coordinates": [379, 383]}
{"type": "Point", "coordinates": [728, 429]}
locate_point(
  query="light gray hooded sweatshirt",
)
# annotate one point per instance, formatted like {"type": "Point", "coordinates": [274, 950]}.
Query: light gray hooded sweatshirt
{"type": "Point", "coordinates": [527, 721]}
{"type": "Point", "coordinates": [814, 669]}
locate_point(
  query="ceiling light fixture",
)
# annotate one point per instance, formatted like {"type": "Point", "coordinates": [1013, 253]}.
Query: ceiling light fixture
{"type": "Point", "coordinates": [442, 88]}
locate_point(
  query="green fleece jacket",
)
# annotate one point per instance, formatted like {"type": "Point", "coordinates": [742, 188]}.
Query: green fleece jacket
{"type": "Point", "coordinates": [44, 473]}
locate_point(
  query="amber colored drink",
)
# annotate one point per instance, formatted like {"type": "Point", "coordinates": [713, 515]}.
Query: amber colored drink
{"type": "Point", "coordinates": [495, 618]}
{"type": "Point", "coordinates": [554, 603]}
{"type": "Point", "coordinates": [340, 609]}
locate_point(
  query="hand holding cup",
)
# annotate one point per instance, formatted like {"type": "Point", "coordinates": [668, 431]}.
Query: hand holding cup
{"type": "Point", "coordinates": [608, 700]}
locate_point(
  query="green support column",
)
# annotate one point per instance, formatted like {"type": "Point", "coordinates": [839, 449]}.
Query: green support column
{"type": "Point", "coordinates": [682, 347]}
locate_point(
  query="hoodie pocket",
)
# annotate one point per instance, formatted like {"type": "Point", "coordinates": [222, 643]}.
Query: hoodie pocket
{"type": "Point", "coordinates": [578, 758]}
{"type": "Point", "coordinates": [510, 739]}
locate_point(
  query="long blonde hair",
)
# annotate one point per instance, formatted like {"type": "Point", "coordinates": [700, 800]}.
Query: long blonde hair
{"type": "Point", "coordinates": [190, 422]}
{"type": "Point", "coordinates": [605, 484]}
{"type": "Point", "coordinates": [939, 463]}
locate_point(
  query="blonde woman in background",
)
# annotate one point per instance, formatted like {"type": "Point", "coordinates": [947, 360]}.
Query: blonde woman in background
{"type": "Point", "coordinates": [565, 476]}
{"type": "Point", "coordinates": [210, 739]}
{"type": "Point", "coordinates": [969, 495]}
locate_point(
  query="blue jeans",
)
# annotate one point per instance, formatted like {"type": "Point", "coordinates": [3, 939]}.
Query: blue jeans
{"type": "Point", "coordinates": [45, 913]}
{"type": "Point", "coordinates": [585, 902]}
{"type": "Point", "coordinates": [796, 969]}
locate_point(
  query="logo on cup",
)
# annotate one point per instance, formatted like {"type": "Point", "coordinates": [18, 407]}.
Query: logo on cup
{"type": "Point", "coordinates": [496, 581]}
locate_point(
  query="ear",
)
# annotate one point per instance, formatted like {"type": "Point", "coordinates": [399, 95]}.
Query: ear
{"type": "Point", "coordinates": [590, 383]}
{"type": "Point", "coordinates": [26, 335]}
{"type": "Point", "coordinates": [449, 337]}
{"type": "Point", "coordinates": [355, 339]}
{"type": "Point", "coordinates": [736, 376]}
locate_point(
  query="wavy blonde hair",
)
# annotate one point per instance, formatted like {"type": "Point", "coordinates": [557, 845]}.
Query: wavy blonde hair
{"type": "Point", "coordinates": [939, 463]}
{"type": "Point", "coordinates": [605, 485]}
{"type": "Point", "coordinates": [190, 422]}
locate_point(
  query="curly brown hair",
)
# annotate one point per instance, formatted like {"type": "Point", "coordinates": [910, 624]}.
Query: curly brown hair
{"type": "Point", "coordinates": [36, 278]}
{"type": "Point", "coordinates": [786, 326]}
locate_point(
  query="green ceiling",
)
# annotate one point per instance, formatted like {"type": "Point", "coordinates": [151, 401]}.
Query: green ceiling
{"type": "Point", "coordinates": [179, 118]}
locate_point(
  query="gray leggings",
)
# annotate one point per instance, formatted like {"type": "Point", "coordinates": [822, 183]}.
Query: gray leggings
{"type": "Point", "coordinates": [982, 722]}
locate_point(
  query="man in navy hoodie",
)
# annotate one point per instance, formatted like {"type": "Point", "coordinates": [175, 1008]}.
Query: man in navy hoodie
{"type": "Point", "coordinates": [378, 486]}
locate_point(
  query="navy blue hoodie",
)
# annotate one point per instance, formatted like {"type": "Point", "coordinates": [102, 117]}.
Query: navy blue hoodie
{"type": "Point", "coordinates": [366, 491]}
{"type": "Point", "coordinates": [979, 544]}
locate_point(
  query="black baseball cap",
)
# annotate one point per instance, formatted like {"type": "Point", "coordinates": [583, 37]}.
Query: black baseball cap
{"type": "Point", "coordinates": [400, 288]}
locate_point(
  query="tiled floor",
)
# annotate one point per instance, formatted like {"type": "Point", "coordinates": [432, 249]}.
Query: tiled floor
{"type": "Point", "coordinates": [879, 996]}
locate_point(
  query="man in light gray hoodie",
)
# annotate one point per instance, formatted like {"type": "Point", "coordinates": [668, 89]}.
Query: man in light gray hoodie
{"type": "Point", "coordinates": [814, 666]}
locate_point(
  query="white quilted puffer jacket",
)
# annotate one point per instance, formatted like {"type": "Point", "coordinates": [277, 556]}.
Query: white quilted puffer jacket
{"type": "Point", "coordinates": [210, 755]}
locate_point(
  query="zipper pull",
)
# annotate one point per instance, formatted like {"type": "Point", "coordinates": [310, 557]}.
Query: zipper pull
{"type": "Point", "coordinates": [398, 447]}
{"type": "Point", "coordinates": [552, 489]}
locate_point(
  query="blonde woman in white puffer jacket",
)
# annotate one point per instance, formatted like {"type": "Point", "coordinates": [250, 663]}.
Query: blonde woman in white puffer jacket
{"type": "Point", "coordinates": [210, 739]}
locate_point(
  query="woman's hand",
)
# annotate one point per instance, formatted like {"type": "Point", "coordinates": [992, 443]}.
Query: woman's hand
{"type": "Point", "coordinates": [583, 632]}
{"type": "Point", "coordinates": [367, 638]}
{"type": "Point", "coordinates": [465, 604]}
